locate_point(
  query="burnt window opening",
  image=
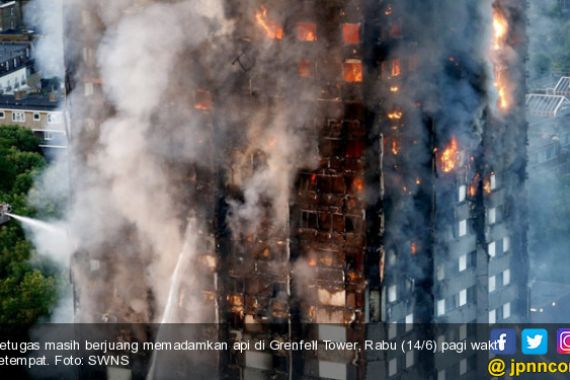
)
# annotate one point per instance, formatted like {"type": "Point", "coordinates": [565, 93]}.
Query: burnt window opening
{"type": "Point", "coordinates": [330, 184]}
{"type": "Point", "coordinates": [413, 62]}
{"type": "Point", "coordinates": [333, 128]}
{"type": "Point", "coordinates": [352, 71]}
{"type": "Point", "coordinates": [308, 182]}
{"type": "Point", "coordinates": [325, 221]}
{"type": "Point", "coordinates": [309, 219]}
{"type": "Point", "coordinates": [305, 69]}
{"type": "Point", "coordinates": [338, 224]}
{"type": "Point", "coordinates": [354, 149]}
{"type": "Point", "coordinates": [354, 129]}
{"type": "Point", "coordinates": [357, 184]}
{"type": "Point", "coordinates": [395, 29]}
{"type": "Point", "coordinates": [353, 223]}
{"type": "Point", "coordinates": [202, 100]}
{"type": "Point", "coordinates": [330, 148]}
{"type": "Point", "coordinates": [396, 68]}
{"type": "Point", "coordinates": [351, 33]}
{"type": "Point", "coordinates": [306, 31]}
{"type": "Point", "coordinates": [330, 91]}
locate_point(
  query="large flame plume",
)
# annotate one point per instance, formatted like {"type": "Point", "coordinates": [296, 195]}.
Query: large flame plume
{"type": "Point", "coordinates": [272, 30]}
{"type": "Point", "coordinates": [500, 33]}
{"type": "Point", "coordinates": [449, 157]}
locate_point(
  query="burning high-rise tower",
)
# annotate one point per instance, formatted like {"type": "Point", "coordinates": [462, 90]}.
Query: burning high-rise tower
{"type": "Point", "coordinates": [341, 162]}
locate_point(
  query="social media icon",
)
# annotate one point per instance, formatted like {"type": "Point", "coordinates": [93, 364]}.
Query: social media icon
{"type": "Point", "coordinates": [504, 341]}
{"type": "Point", "coordinates": [563, 341]}
{"type": "Point", "coordinates": [534, 341]}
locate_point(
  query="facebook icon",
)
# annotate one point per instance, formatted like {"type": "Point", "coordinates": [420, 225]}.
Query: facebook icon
{"type": "Point", "coordinates": [503, 341]}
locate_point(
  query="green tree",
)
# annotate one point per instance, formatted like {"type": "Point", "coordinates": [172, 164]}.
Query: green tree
{"type": "Point", "coordinates": [28, 284]}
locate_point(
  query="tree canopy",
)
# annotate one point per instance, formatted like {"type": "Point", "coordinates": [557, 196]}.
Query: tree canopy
{"type": "Point", "coordinates": [28, 285]}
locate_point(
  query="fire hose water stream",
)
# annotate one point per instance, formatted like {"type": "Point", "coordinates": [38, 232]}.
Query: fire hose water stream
{"type": "Point", "coordinates": [173, 292]}
{"type": "Point", "coordinates": [50, 239]}
{"type": "Point", "coordinates": [36, 224]}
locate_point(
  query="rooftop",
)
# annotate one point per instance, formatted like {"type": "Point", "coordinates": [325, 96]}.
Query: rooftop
{"type": "Point", "coordinates": [7, 4]}
{"type": "Point", "coordinates": [29, 102]}
{"type": "Point", "coordinates": [544, 105]}
{"type": "Point", "coordinates": [13, 50]}
{"type": "Point", "coordinates": [563, 86]}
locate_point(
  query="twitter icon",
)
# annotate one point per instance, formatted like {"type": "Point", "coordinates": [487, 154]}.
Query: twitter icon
{"type": "Point", "coordinates": [534, 341]}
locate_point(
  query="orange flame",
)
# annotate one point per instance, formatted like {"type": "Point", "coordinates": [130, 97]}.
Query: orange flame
{"type": "Point", "coordinates": [449, 156]}
{"type": "Point", "coordinates": [305, 69]}
{"type": "Point", "coordinates": [395, 115]}
{"type": "Point", "coordinates": [500, 34]}
{"type": "Point", "coordinates": [352, 71]}
{"type": "Point", "coordinates": [500, 29]}
{"type": "Point", "coordinates": [358, 184]}
{"type": "Point", "coordinates": [307, 31]}
{"type": "Point", "coordinates": [414, 248]}
{"type": "Point", "coordinates": [501, 86]}
{"type": "Point", "coordinates": [394, 88]}
{"type": "Point", "coordinates": [271, 28]}
{"type": "Point", "coordinates": [487, 188]}
{"type": "Point", "coordinates": [395, 147]}
{"type": "Point", "coordinates": [472, 191]}
{"type": "Point", "coordinates": [396, 68]}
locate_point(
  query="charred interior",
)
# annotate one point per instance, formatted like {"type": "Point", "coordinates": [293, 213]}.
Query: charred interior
{"type": "Point", "coordinates": [328, 164]}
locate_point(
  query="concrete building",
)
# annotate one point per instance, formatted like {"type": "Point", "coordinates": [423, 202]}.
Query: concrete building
{"type": "Point", "coordinates": [15, 67]}
{"type": "Point", "coordinates": [10, 16]}
{"type": "Point", "coordinates": [39, 113]}
{"type": "Point", "coordinates": [415, 212]}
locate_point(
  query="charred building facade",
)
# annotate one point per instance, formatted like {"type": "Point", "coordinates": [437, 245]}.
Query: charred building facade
{"type": "Point", "coordinates": [355, 161]}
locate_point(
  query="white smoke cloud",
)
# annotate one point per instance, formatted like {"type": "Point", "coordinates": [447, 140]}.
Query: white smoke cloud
{"type": "Point", "coordinates": [47, 17]}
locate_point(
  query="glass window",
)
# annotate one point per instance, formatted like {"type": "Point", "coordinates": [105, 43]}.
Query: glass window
{"type": "Point", "coordinates": [409, 359]}
{"type": "Point", "coordinates": [492, 215]}
{"type": "Point", "coordinates": [392, 367]}
{"type": "Point", "coordinates": [440, 307]}
{"type": "Point", "coordinates": [492, 316]}
{"type": "Point", "coordinates": [462, 263]}
{"type": "Point", "coordinates": [463, 228]}
{"type": "Point", "coordinates": [462, 193]}
{"type": "Point", "coordinates": [18, 116]}
{"type": "Point", "coordinates": [493, 180]}
{"type": "Point", "coordinates": [492, 249]}
{"type": "Point", "coordinates": [463, 332]}
{"type": "Point", "coordinates": [506, 277]}
{"type": "Point", "coordinates": [463, 366]}
{"type": "Point", "coordinates": [463, 297]}
{"type": "Point", "coordinates": [507, 310]}
{"type": "Point", "coordinates": [440, 272]}
{"type": "Point", "coordinates": [392, 293]}
{"type": "Point", "coordinates": [492, 284]}
{"type": "Point", "coordinates": [506, 244]}
{"type": "Point", "coordinates": [409, 321]}
{"type": "Point", "coordinates": [392, 330]}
